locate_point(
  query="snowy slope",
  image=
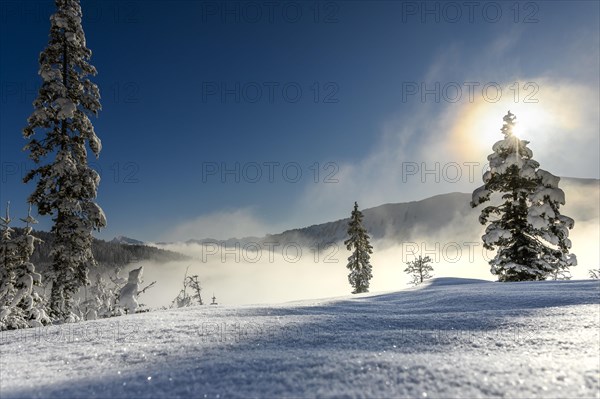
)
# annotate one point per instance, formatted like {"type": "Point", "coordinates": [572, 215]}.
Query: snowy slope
{"type": "Point", "coordinates": [451, 338]}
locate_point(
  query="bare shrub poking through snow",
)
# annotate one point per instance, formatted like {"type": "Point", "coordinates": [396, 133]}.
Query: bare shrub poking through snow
{"type": "Point", "coordinates": [419, 269]}
{"type": "Point", "coordinates": [185, 298]}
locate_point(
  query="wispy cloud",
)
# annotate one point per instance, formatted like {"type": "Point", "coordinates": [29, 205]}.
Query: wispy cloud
{"type": "Point", "coordinates": [430, 147]}
{"type": "Point", "coordinates": [558, 113]}
{"type": "Point", "coordinates": [220, 225]}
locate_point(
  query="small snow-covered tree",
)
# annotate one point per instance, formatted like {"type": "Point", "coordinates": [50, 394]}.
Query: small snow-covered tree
{"type": "Point", "coordinates": [128, 295]}
{"type": "Point", "coordinates": [524, 224]}
{"type": "Point", "coordinates": [594, 274]}
{"type": "Point", "coordinates": [420, 270]}
{"type": "Point", "coordinates": [9, 259]}
{"type": "Point", "coordinates": [359, 262]}
{"type": "Point", "coordinates": [30, 303]}
{"type": "Point", "coordinates": [66, 185]}
{"type": "Point", "coordinates": [20, 304]}
{"type": "Point", "coordinates": [184, 298]}
{"type": "Point", "coordinates": [560, 274]}
{"type": "Point", "coordinates": [101, 298]}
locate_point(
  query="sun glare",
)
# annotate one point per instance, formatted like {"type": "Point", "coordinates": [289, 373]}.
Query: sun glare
{"type": "Point", "coordinates": [478, 124]}
{"type": "Point", "coordinates": [531, 121]}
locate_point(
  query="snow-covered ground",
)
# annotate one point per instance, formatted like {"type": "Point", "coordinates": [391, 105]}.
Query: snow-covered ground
{"type": "Point", "coordinates": [450, 338]}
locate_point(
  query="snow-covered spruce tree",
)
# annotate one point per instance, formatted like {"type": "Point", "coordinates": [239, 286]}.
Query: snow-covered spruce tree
{"type": "Point", "coordinates": [30, 304]}
{"type": "Point", "coordinates": [359, 262]}
{"type": "Point", "coordinates": [420, 270]}
{"type": "Point", "coordinates": [523, 223]}
{"type": "Point", "coordinates": [8, 261]}
{"type": "Point", "coordinates": [20, 304]}
{"type": "Point", "coordinates": [66, 185]}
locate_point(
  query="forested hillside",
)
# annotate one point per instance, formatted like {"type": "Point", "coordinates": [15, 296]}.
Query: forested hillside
{"type": "Point", "coordinates": [109, 255]}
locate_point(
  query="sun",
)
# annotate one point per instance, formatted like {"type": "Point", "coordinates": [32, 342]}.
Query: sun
{"type": "Point", "coordinates": [478, 126]}
{"type": "Point", "coordinates": [532, 120]}
{"type": "Point", "coordinates": [546, 124]}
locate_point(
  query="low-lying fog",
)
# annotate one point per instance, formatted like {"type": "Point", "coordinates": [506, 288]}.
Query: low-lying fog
{"type": "Point", "coordinates": [253, 274]}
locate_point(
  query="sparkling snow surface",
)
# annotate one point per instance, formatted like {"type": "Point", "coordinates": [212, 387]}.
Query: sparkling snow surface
{"type": "Point", "coordinates": [451, 338]}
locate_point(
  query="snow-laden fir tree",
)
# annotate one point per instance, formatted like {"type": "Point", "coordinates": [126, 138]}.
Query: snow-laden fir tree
{"type": "Point", "coordinates": [66, 185]}
{"type": "Point", "coordinates": [8, 258]}
{"type": "Point", "coordinates": [359, 262]}
{"type": "Point", "coordinates": [30, 303]}
{"type": "Point", "coordinates": [101, 299]}
{"type": "Point", "coordinates": [20, 304]}
{"type": "Point", "coordinates": [523, 223]}
{"type": "Point", "coordinates": [420, 270]}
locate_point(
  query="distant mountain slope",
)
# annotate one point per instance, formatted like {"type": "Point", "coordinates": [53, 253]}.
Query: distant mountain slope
{"type": "Point", "coordinates": [397, 222]}
{"type": "Point", "coordinates": [126, 240]}
{"type": "Point", "coordinates": [440, 216]}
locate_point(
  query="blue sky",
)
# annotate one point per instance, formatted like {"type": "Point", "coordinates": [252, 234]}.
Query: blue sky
{"type": "Point", "coordinates": [191, 88]}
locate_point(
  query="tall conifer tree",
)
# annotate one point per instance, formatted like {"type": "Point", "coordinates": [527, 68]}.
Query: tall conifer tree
{"type": "Point", "coordinates": [59, 132]}
{"type": "Point", "coordinates": [359, 262]}
{"type": "Point", "coordinates": [524, 223]}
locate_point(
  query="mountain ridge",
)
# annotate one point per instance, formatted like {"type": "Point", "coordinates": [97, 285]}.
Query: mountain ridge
{"type": "Point", "coordinates": [397, 222]}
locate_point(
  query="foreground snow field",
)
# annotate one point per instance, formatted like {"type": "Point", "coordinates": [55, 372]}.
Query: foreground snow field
{"type": "Point", "coordinates": [450, 338]}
